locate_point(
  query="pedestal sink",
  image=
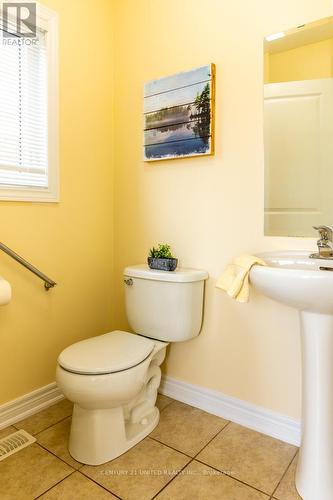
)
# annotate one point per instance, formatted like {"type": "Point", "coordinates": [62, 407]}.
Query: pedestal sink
{"type": "Point", "coordinates": [307, 285]}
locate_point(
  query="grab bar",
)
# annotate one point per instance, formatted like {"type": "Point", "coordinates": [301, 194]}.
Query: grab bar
{"type": "Point", "coordinates": [48, 283]}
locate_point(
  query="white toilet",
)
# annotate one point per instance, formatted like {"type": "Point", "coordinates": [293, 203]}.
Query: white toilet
{"type": "Point", "coordinates": [113, 379]}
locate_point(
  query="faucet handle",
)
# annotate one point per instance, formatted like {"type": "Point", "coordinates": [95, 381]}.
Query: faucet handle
{"type": "Point", "coordinates": [326, 232]}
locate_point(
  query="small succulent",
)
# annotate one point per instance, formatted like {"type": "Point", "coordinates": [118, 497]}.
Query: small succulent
{"type": "Point", "coordinates": [163, 251]}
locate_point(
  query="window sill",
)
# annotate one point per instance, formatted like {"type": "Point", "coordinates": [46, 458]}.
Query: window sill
{"type": "Point", "coordinates": [29, 194]}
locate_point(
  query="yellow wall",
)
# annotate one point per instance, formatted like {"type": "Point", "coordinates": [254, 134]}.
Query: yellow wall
{"type": "Point", "coordinates": [209, 209]}
{"type": "Point", "coordinates": [71, 241]}
{"type": "Point", "coordinates": [309, 62]}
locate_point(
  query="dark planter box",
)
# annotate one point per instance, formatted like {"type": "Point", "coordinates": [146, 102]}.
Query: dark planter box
{"type": "Point", "coordinates": [162, 264]}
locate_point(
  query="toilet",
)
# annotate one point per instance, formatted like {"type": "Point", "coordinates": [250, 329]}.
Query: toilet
{"type": "Point", "coordinates": [113, 379]}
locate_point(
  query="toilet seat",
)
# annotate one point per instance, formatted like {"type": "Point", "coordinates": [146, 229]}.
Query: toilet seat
{"type": "Point", "coordinates": [109, 353]}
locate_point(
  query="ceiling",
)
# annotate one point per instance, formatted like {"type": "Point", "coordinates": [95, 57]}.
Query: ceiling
{"type": "Point", "coordinates": [302, 35]}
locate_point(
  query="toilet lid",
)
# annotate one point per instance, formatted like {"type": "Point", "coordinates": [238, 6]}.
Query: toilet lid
{"type": "Point", "coordinates": [109, 353]}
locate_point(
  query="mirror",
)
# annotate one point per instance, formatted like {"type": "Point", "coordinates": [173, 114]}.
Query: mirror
{"type": "Point", "coordinates": [298, 129]}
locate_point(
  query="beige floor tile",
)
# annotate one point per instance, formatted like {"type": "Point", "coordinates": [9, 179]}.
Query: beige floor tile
{"type": "Point", "coordinates": [55, 439]}
{"type": "Point", "coordinates": [77, 486]}
{"type": "Point", "coordinates": [254, 458]}
{"type": "Point", "coordinates": [6, 431]}
{"type": "Point", "coordinates": [29, 473]}
{"type": "Point", "coordinates": [186, 428]}
{"type": "Point", "coordinates": [198, 482]}
{"type": "Point", "coordinates": [287, 489]}
{"type": "Point", "coordinates": [141, 472]}
{"type": "Point", "coordinates": [46, 418]}
{"type": "Point", "coordinates": [163, 401]}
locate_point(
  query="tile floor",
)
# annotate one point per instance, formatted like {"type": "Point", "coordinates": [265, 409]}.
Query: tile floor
{"type": "Point", "coordinates": [191, 455]}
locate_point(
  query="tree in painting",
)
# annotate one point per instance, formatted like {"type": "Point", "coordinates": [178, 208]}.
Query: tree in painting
{"type": "Point", "coordinates": [202, 115]}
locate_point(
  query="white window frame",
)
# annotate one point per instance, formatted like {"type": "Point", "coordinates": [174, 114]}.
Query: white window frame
{"type": "Point", "coordinates": [47, 19]}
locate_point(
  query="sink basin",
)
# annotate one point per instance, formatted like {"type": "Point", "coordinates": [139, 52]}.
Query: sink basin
{"type": "Point", "coordinates": [307, 285]}
{"type": "Point", "coordinates": [296, 280]}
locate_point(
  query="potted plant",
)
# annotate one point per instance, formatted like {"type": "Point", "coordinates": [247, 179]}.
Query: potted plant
{"type": "Point", "coordinates": [161, 258]}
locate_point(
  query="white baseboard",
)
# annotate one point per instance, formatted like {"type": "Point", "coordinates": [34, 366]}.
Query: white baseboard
{"type": "Point", "coordinates": [29, 404]}
{"type": "Point", "coordinates": [238, 411]}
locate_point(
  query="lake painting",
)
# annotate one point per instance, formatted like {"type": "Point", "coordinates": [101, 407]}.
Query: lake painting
{"type": "Point", "coordinates": [178, 115]}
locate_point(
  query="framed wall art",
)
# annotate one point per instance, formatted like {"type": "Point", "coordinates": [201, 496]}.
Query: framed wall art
{"type": "Point", "coordinates": [179, 115]}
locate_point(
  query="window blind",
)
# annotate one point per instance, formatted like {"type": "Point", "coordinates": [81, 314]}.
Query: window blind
{"type": "Point", "coordinates": [23, 111]}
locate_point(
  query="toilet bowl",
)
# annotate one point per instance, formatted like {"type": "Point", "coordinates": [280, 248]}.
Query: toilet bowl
{"type": "Point", "coordinates": [113, 379]}
{"type": "Point", "coordinates": [114, 402]}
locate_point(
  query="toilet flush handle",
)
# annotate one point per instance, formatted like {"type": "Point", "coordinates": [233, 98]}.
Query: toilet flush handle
{"type": "Point", "coordinates": [128, 281]}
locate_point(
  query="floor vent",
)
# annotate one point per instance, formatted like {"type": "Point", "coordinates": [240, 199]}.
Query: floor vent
{"type": "Point", "coordinates": [14, 442]}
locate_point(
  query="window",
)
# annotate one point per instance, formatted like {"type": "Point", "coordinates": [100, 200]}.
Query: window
{"type": "Point", "coordinates": [28, 110]}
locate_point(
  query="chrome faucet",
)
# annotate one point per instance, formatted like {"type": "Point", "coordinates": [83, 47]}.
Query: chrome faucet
{"type": "Point", "coordinates": [325, 243]}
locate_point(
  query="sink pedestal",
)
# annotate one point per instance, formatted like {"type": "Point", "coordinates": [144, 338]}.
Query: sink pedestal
{"type": "Point", "coordinates": [295, 279]}
{"type": "Point", "coordinates": [314, 476]}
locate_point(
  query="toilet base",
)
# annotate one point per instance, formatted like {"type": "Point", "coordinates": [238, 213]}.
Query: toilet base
{"type": "Point", "coordinates": [98, 436]}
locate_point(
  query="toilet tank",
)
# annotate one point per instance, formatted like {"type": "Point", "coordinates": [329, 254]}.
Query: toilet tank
{"type": "Point", "coordinates": [164, 305]}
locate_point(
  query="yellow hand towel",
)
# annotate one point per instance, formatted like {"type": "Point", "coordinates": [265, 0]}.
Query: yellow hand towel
{"type": "Point", "coordinates": [235, 278]}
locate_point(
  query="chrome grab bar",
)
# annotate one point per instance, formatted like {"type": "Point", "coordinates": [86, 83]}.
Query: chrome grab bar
{"type": "Point", "coordinates": [48, 283]}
